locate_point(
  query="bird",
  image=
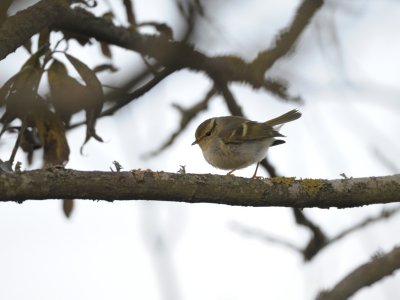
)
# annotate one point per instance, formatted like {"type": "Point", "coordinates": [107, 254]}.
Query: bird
{"type": "Point", "coordinates": [234, 142]}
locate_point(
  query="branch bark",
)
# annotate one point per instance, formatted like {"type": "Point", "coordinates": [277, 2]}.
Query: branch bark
{"type": "Point", "coordinates": [17, 29]}
{"type": "Point", "coordinates": [58, 183]}
{"type": "Point", "coordinates": [364, 275]}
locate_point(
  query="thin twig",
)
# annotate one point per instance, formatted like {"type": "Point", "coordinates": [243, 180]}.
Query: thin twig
{"type": "Point", "coordinates": [318, 242]}
{"type": "Point", "coordinates": [385, 214]}
{"type": "Point", "coordinates": [233, 106]}
{"type": "Point", "coordinates": [280, 89]}
{"type": "Point", "coordinates": [286, 40]}
{"type": "Point", "coordinates": [187, 115]}
{"type": "Point", "coordinates": [318, 239]}
{"type": "Point", "coordinates": [128, 98]}
{"type": "Point", "coordinates": [254, 232]}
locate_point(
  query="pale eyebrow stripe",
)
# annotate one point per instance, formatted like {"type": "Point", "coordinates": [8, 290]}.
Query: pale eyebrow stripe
{"type": "Point", "coordinates": [211, 125]}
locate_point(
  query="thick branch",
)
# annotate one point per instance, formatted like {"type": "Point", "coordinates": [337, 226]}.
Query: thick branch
{"type": "Point", "coordinates": [4, 6]}
{"type": "Point", "coordinates": [18, 29]}
{"type": "Point", "coordinates": [364, 275]}
{"type": "Point", "coordinates": [175, 55]}
{"type": "Point", "coordinates": [56, 183]}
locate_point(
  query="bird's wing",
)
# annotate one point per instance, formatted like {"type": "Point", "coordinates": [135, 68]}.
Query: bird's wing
{"type": "Point", "coordinates": [247, 131]}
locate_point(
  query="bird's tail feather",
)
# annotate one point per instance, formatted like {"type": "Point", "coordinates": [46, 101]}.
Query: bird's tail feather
{"type": "Point", "coordinates": [288, 117]}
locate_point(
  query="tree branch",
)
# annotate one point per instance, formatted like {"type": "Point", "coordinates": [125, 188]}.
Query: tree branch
{"type": "Point", "coordinates": [4, 6]}
{"type": "Point", "coordinates": [287, 38]}
{"type": "Point", "coordinates": [18, 29]}
{"type": "Point", "coordinates": [323, 242]}
{"type": "Point", "coordinates": [58, 183]}
{"type": "Point", "coordinates": [385, 214]}
{"type": "Point", "coordinates": [175, 55]}
{"type": "Point", "coordinates": [318, 240]}
{"type": "Point", "coordinates": [187, 115]}
{"type": "Point", "coordinates": [364, 275]}
{"type": "Point", "coordinates": [234, 108]}
{"type": "Point", "coordinates": [260, 234]}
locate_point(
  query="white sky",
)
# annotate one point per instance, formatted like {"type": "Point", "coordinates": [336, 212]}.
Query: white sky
{"type": "Point", "coordinates": [114, 250]}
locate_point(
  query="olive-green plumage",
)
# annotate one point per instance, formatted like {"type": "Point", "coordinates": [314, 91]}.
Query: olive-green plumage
{"type": "Point", "coordinates": [233, 142]}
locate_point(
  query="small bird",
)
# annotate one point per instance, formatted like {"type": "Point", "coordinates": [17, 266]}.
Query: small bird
{"type": "Point", "coordinates": [232, 142]}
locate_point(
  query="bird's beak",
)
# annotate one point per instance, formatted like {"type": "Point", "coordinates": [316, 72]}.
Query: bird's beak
{"type": "Point", "coordinates": [195, 142]}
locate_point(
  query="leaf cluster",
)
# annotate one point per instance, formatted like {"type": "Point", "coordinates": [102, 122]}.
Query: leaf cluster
{"type": "Point", "coordinates": [43, 119]}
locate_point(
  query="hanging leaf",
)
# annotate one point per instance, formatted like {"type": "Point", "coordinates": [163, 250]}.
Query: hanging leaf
{"type": "Point", "coordinates": [51, 133]}
{"type": "Point", "coordinates": [21, 91]}
{"type": "Point", "coordinates": [68, 207]}
{"type": "Point", "coordinates": [28, 46]}
{"type": "Point", "coordinates": [105, 49]}
{"type": "Point", "coordinates": [5, 89]}
{"type": "Point", "coordinates": [95, 96]}
{"type": "Point", "coordinates": [30, 142]}
{"type": "Point", "coordinates": [88, 76]}
{"type": "Point", "coordinates": [65, 104]}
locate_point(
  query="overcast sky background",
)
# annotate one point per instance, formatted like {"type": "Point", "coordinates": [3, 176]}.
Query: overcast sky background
{"type": "Point", "coordinates": [345, 67]}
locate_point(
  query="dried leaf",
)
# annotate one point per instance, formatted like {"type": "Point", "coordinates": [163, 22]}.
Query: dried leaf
{"type": "Point", "coordinates": [68, 207]}
{"type": "Point", "coordinates": [105, 49]}
{"type": "Point", "coordinates": [51, 133]}
{"type": "Point", "coordinates": [28, 46]}
{"type": "Point", "coordinates": [87, 74]}
{"type": "Point", "coordinates": [30, 142]}
{"type": "Point", "coordinates": [5, 89]}
{"type": "Point", "coordinates": [22, 91]}
{"type": "Point", "coordinates": [65, 104]}
{"type": "Point", "coordinates": [95, 98]}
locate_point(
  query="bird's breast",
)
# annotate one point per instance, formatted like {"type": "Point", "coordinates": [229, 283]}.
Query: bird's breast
{"type": "Point", "coordinates": [235, 156]}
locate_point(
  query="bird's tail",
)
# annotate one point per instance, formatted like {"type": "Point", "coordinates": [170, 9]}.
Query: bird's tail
{"type": "Point", "coordinates": [288, 117]}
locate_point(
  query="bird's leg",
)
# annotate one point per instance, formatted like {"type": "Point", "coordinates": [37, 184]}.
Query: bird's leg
{"type": "Point", "coordinates": [230, 172]}
{"type": "Point", "coordinates": [255, 172]}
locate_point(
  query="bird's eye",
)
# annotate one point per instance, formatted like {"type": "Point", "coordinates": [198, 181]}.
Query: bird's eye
{"type": "Point", "coordinates": [208, 133]}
